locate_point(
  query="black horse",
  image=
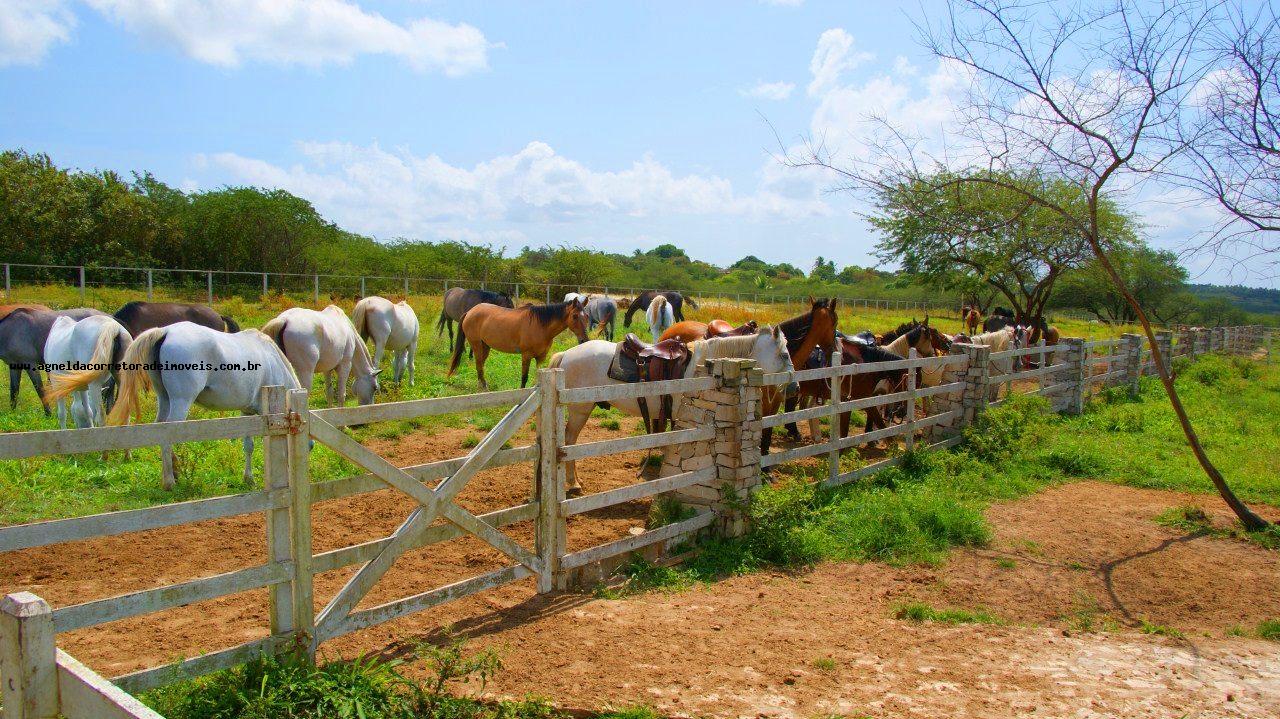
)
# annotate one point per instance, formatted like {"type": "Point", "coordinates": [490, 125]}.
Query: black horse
{"type": "Point", "coordinates": [641, 303]}
{"type": "Point", "coordinates": [458, 300]}
{"type": "Point", "coordinates": [998, 320]}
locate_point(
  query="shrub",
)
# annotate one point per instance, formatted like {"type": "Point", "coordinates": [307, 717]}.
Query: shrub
{"type": "Point", "coordinates": [1269, 629]}
{"type": "Point", "coordinates": [998, 431]}
{"type": "Point", "coordinates": [920, 612]}
{"type": "Point", "coordinates": [1124, 418]}
{"type": "Point", "coordinates": [1075, 462]}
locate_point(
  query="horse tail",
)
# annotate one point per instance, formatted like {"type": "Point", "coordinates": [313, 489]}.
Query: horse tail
{"type": "Point", "coordinates": [359, 318]}
{"type": "Point", "coordinates": [440, 322]}
{"type": "Point", "coordinates": [275, 330]}
{"type": "Point", "coordinates": [100, 366]}
{"type": "Point", "coordinates": [556, 359]}
{"type": "Point", "coordinates": [231, 326]}
{"type": "Point", "coordinates": [143, 351]}
{"type": "Point", "coordinates": [458, 347]}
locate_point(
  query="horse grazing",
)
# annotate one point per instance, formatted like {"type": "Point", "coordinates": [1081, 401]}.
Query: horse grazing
{"type": "Point", "coordinates": [239, 366]}
{"type": "Point", "coordinates": [23, 334]}
{"type": "Point", "coordinates": [325, 342]}
{"type": "Point", "coordinates": [459, 300]}
{"type": "Point", "coordinates": [527, 331]}
{"type": "Point", "coordinates": [602, 311]}
{"type": "Point", "coordinates": [98, 342]}
{"type": "Point", "coordinates": [392, 327]}
{"type": "Point", "coordinates": [660, 316]}
{"type": "Point", "coordinates": [138, 317]}
{"type": "Point", "coordinates": [587, 365]}
{"type": "Point", "coordinates": [642, 301]}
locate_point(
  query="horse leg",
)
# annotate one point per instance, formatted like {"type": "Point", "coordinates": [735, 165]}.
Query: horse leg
{"type": "Point", "coordinates": [248, 459]}
{"type": "Point", "coordinates": [482, 354]}
{"type": "Point", "coordinates": [578, 415]}
{"type": "Point", "coordinates": [412, 351]}
{"type": "Point", "coordinates": [15, 378]}
{"type": "Point", "coordinates": [343, 372]}
{"type": "Point", "coordinates": [524, 369]}
{"type": "Point", "coordinates": [165, 410]}
{"type": "Point", "coordinates": [62, 413]}
{"type": "Point", "coordinates": [34, 374]}
{"type": "Point", "coordinates": [792, 429]}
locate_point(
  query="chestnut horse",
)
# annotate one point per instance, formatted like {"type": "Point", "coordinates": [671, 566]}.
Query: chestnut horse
{"type": "Point", "coordinates": [527, 331]}
{"type": "Point", "coordinates": [970, 318]}
{"type": "Point", "coordinates": [812, 330]}
{"type": "Point", "coordinates": [692, 330]}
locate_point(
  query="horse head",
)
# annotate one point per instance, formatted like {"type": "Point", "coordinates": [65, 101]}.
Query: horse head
{"type": "Point", "coordinates": [575, 317]}
{"type": "Point", "coordinates": [771, 354]}
{"type": "Point", "coordinates": [824, 320]}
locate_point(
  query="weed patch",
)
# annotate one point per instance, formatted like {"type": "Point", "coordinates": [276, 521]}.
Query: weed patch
{"type": "Point", "coordinates": [919, 612]}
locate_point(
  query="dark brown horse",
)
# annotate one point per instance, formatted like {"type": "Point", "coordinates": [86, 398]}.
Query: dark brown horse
{"type": "Point", "coordinates": [527, 331]}
{"type": "Point", "coordinates": [458, 300]}
{"type": "Point", "coordinates": [642, 300]}
{"type": "Point", "coordinates": [138, 317]}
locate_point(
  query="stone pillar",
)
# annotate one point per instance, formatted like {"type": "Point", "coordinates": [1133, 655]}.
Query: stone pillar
{"type": "Point", "coordinates": [732, 408]}
{"type": "Point", "coordinates": [977, 381]}
{"type": "Point", "coordinates": [1164, 341]}
{"type": "Point", "coordinates": [1132, 361]}
{"type": "Point", "coordinates": [1217, 340]}
{"type": "Point", "coordinates": [943, 403]}
{"type": "Point", "coordinates": [1186, 342]}
{"type": "Point", "coordinates": [1073, 374]}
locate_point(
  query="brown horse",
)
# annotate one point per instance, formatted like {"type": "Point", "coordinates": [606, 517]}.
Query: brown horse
{"type": "Point", "coordinates": [6, 309]}
{"type": "Point", "coordinates": [813, 330]}
{"type": "Point", "coordinates": [527, 331]}
{"type": "Point", "coordinates": [138, 317]}
{"type": "Point", "coordinates": [692, 330]}
{"type": "Point", "coordinates": [971, 317]}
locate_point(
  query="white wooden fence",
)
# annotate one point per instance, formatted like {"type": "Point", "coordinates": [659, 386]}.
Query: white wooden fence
{"type": "Point", "coordinates": [41, 681]}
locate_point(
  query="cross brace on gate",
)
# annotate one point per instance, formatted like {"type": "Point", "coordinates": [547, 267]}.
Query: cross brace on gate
{"type": "Point", "coordinates": [433, 503]}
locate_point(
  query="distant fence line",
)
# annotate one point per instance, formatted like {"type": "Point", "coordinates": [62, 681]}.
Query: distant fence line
{"type": "Point", "coordinates": [210, 284]}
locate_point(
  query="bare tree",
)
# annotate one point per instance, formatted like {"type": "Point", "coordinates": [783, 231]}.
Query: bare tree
{"type": "Point", "coordinates": [1095, 95]}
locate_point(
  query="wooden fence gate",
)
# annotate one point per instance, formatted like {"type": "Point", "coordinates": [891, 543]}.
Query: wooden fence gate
{"type": "Point", "coordinates": [337, 617]}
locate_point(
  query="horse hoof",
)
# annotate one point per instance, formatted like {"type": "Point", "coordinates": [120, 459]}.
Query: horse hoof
{"type": "Point", "coordinates": [573, 492]}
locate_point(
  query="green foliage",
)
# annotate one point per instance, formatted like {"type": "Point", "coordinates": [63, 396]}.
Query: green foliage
{"type": "Point", "coordinates": [1269, 629]}
{"type": "Point", "coordinates": [1154, 277]}
{"type": "Point", "coordinates": [1159, 630]}
{"type": "Point", "coordinates": [640, 575]}
{"type": "Point", "coordinates": [920, 612]}
{"type": "Point", "coordinates": [666, 509]}
{"type": "Point", "coordinates": [999, 431]}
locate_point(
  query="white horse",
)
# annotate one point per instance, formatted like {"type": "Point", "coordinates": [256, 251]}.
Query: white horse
{"type": "Point", "coordinates": [660, 316]}
{"type": "Point", "coordinates": [571, 296]}
{"type": "Point", "coordinates": [587, 365]}
{"type": "Point", "coordinates": [327, 343]}
{"type": "Point", "coordinates": [190, 364]}
{"type": "Point", "coordinates": [99, 342]}
{"type": "Point", "coordinates": [392, 327]}
{"type": "Point", "coordinates": [1000, 340]}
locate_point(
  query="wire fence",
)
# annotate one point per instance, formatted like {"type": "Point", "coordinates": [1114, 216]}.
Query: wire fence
{"type": "Point", "coordinates": [210, 286]}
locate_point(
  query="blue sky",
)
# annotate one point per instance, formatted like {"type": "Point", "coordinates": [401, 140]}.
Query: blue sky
{"type": "Point", "coordinates": [613, 125]}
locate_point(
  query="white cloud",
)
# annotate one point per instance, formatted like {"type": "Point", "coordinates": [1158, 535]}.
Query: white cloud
{"type": "Point", "coordinates": [769, 90]}
{"type": "Point", "coordinates": [383, 192]}
{"type": "Point", "coordinates": [833, 57]}
{"type": "Point", "coordinates": [29, 28]}
{"type": "Point", "coordinates": [303, 32]}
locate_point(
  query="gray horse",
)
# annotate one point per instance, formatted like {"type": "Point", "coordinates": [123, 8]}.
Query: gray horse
{"type": "Point", "coordinates": [23, 334]}
{"type": "Point", "coordinates": [458, 300]}
{"type": "Point", "coordinates": [601, 311]}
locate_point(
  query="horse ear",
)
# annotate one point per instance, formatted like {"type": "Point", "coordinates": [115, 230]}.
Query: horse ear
{"type": "Point", "coordinates": [833, 301]}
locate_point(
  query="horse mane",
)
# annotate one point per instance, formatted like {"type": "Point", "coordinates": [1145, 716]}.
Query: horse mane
{"type": "Point", "coordinates": [998, 340]}
{"type": "Point", "coordinates": [547, 314]}
{"type": "Point", "coordinates": [721, 347]}
{"type": "Point", "coordinates": [872, 353]}
{"type": "Point", "coordinates": [797, 328]}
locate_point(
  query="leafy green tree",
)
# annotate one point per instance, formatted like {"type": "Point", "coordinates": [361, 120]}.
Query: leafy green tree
{"type": "Point", "coordinates": [823, 270]}
{"type": "Point", "coordinates": [1153, 276]}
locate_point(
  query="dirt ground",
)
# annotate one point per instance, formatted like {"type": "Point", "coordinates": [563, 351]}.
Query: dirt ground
{"type": "Point", "coordinates": [1085, 553]}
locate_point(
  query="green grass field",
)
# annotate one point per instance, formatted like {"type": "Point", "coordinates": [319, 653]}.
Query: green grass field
{"type": "Point", "coordinates": [45, 488]}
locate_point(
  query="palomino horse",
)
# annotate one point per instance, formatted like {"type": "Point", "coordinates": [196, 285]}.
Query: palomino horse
{"type": "Point", "coordinates": [814, 330]}
{"type": "Point", "coordinates": [642, 301]}
{"type": "Point", "coordinates": [98, 342]}
{"type": "Point", "coordinates": [459, 300]}
{"type": "Point", "coordinates": [660, 316]}
{"type": "Point", "coordinates": [189, 364]}
{"type": "Point", "coordinates": [392, 327]}
{"type": "Point", "coordinates": [692, 330]}
{"type": "Point", "coordinates": [327, 343]}
{"type": "Point", "coordinates": [23, 333]}
{"type": "Point", "coordinates": [527, 331]}
{"type": "Point", "coordinates": [587, 365]}
{"type": "Point", "coordinates": [138, 317]}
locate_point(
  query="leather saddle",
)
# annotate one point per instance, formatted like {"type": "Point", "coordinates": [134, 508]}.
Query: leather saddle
{"type": "Point", "coordinates": [720, 328]}
{"type": "Point", "coordinates": [639, 361]}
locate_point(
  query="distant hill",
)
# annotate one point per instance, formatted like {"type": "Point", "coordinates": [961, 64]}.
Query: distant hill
{"type": "Point", "coordinates": [1250, 299]}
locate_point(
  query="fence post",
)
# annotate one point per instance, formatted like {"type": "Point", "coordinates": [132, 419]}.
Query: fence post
{"type": "Point", "coordinates": [275, 476]}
{"type": "Point", "coordinates": [209, 286]}
{"type": "Point", "coordinates": [516, 300]}
{"type": "Point", "coordinates": [552, 528]}
{"type": "Point", "coordinates": [1074, 374]}
{"type": "Point", "coordinates": [548, 293]}
{"type": "Point", "coordinates": [81, 284]}
{"type": "Point", "coordinates": [977, 381]}
{"type": "Point", "coordinates": [1164, 343]}
{"type": "Point", "coordinates": [298, 442]}
{"type": "Point", "coordinates": [909, 438]}
{"type": "Point", "coordinates": [28, 658]}
{"type": "Point", "coordinates": [315, 289]}
{"type": "Point", "coordinates": [7, 290]}
{"type": "Point", "coordinates": [732, 408]}
{"type": "Point", "coordinates": [1186, 343]}
{"type": "Point", "coordinates": [150, 285]}
{"type": "Point", "coordinates": [264, 284]}
{"type": "Point", "coordinates": [406, 288]}
{"type": "Point", "coordinates": [363, 294]}
{"type": "Point", "coordinates": [833, 419]}
{"type": "Point", "coordinates": [1132, 361]}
